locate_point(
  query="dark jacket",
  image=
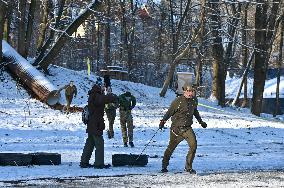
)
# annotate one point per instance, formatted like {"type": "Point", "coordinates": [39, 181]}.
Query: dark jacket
{"type": "Point", "coordinates": [69, 90]}
{"type": "Point", "coordinates": [96, 105]}
{"type": "Point", "coordinates": [182, 111]}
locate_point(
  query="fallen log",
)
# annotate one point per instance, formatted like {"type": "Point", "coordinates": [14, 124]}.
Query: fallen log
{"type": "Point", "coordinates": [29, 75]}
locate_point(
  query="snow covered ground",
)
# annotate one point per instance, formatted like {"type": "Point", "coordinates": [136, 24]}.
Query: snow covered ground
{"type": "Point", "coordinates": [235, 140]}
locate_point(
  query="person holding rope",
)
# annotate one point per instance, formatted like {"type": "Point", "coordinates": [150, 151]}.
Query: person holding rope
{"type": "Point", "coordinates": [181, 111]}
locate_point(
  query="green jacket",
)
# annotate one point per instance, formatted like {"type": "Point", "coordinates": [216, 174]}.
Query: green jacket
{"type": "Point", "coordinates": [127, 101]}
{"type": "Point", "coordinates": [69, 90]}
{"type": "Point", "coordinates": [181, 112]}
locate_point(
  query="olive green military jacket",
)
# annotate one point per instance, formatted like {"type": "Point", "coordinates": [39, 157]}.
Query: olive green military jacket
{"type": "Point", "coordinates": [181, 112]}
{"type": "Point", "coordinates": [69, 90]}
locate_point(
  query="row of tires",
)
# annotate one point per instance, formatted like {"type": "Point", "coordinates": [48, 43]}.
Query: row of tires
{"type": "Point", "coordinates": [40, 158]}
{"type": "Point", "coordinates": [21, 159]}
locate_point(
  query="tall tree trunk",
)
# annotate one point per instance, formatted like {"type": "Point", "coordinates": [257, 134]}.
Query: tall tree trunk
{"type": "Point", "coordinates": [264, 36]}
{"type": "Point", "coordinates": [43, 26]}
{"type": "Point", "coordinates": [131, 35]}
{"type": "Point", "coordinates": [54, 51]}
{"type": "Point", "coordinates": [244, 78]}
{"type": "Point", "coordinates": [43, 48]}
{"type": "Point", "coordinates": [99, 44]}
{"type": "Point", "coordinates": [107, 35]}
{"type": "Point", "coordinates": [7, 23]}
{"type": "Point", "coordinates": [245, 54]}
{"type": "Point", "coordinates": [29, 31]}
{"type": "Point", "coordinates": [232, 32]}
{"type": "Point", "coordinates": [218, 88]}
{"type": "Point", "coordinates": [3, 8]}
{"type": "Point", "coordinates": [279, 63]}
{"type": "Point", "coordinates": [198, 77]}
{"type": "Point", "coordinates": [21, 27]}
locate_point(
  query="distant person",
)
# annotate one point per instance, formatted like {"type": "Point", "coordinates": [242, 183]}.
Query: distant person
{"type": "Point", "coordinates": [182, 110]}
{"type": "Point", "coordinates": [110, 110]}
{"type": "Point", "coordinates": [126, 103]}
{"type": "Point", "coordinates": [95, 127]}
{"type": "Point", "coordinates": [70, 92]}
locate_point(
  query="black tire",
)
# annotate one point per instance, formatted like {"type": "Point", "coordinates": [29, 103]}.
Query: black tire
{"type": "Point", "coordinates": [131, 160]}
{"type": "Point", "coordinates": [42, 158]}
{"type": "Point", "coordinates": [15, 159]}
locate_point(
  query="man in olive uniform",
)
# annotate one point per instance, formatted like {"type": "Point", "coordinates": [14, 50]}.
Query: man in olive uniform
{"type": "Point", "coordinates": [110, 110]}
{"type": "Point", "coordinates": [182, 110]}
{"type": "Point", "coordinates": [126, 103]}
{"type": "Point", "coordinates": [70, 91]}
{"type": "Point", "coordinates": [95, 127]}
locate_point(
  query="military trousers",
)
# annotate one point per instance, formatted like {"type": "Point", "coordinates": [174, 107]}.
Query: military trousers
{"type": "Point", "coordinates": [175, 139]}
{"type": "Point", "coordinates": [91, 142]}
{"type": "Point", "coordinates": [111, 117]}
{"type": "Point", "coordinates": [126, 123]}
{"type": "Point", "coordinates": [69, 99]}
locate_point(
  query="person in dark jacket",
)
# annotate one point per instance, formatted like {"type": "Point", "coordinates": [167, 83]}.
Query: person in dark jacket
{"type": "Point", "coordinates": [70, 91]}
{"type": "Point", "coordinates": [126, 103]}
{"type": "Point", "coordinates": [95, 127]}
{"type": "Point", "coordinates": [181, 111]}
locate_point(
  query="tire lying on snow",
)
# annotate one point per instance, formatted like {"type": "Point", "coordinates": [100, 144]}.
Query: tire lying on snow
{"type": "Point", "coordinates": [42, 158]}
{"type": "Point", "coordinates": [15, 159]}
{"type": "Point", "coordinates": [131, 160]}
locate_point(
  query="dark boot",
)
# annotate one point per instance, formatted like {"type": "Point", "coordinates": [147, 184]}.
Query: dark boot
{"type": "Point", "coordinates": [109, 135]}
{"type": "Point", "coordinates": [191, 171]}
{"type": "Point", "coordinates": [164, 170]}
{"type": "Point", "coordinates": [86, 165]}
{"type": "Point", "coordinates": [131, 144]}
{"type": "Point", "coordinates": [125, 145]}
{"type": "Point", "coordinates": [103, 166]}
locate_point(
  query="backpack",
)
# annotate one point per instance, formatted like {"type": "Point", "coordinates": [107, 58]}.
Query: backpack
{"type": "Point", "coordinates": [85, 115]}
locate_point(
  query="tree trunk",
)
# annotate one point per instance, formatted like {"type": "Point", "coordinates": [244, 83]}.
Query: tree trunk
{"type": "Point", "coordinates": [264, 36]}
{"type": "Point", "coordinates": [29, 31]}
{"type": "Point", "coordinates": [7, 23]}
{"type": "Point", "coordinates": [46, 45]}
{"type": "Point", "coordinates": [201, 34]}
{"type": "Point", "coordinates": [245, 55]}
{"type": "Point", "coordinates": [42, 27]}
{"type": "Point", "coordinates": [54, 51]}
{"type": "Point", "coordinates": [21, 27]}
{"type": "Point", "coordinates": [279, 63]}
{"type": "Point", "coordinates": [218, 88]}
{"type": "Point", "coordinates": [99, 44]}
{"type": "Point", "coordinates": [3, 8]}
{"type": "Point", "coordinates": [244, 78]}
{"type": "Point", "coordinates": [107, 36]}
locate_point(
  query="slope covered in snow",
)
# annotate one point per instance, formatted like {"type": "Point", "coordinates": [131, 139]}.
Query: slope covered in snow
{"type": "Point", "coordinates": [234, 141]}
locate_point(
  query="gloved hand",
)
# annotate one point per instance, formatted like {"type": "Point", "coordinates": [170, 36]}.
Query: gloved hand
{"type": "Point", "coordinates": [162, 124]}
{"type": "Point", "coordinates": [203, 124]}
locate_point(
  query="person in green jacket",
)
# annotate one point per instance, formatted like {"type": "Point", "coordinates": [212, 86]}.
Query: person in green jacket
{"type": "Point", "coordinates": [70, 91]}
{"type": "Point", "coordinates": [110, 110]}
{"type": "Point", "coordinates": [126, 103]}
{"type": "Point", "coordinates": [181, 111]}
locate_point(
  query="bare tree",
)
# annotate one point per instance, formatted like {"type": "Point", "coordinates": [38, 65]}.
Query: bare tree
{"type": "Point", "coordinates": [42, 48]}
{"type": "Point", "coordinates": [219, 69]}
{"type": "Point", "coordinates": [264, 37]}
{"type": "Point", "coordinates": [29, 30]}
{"type": "Point", "coordinates": [21, 26]}
{"type": "Point", "coordinates": [3, 8]}
{"type": "Point", "coordinates": [280, 60]}
{"type": "Point", "coordinates": [54, 51]}
{"type": "Point", "coordinates": [43, 26]}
